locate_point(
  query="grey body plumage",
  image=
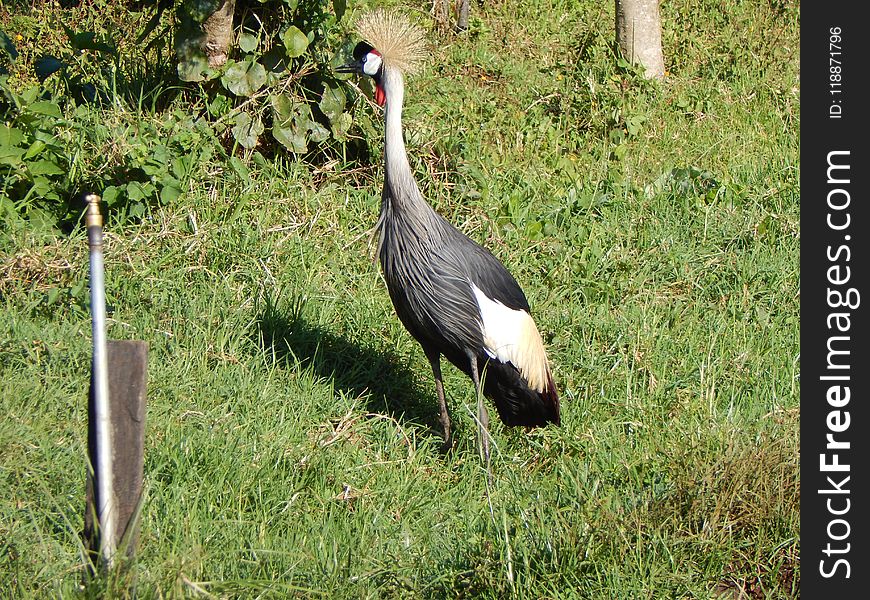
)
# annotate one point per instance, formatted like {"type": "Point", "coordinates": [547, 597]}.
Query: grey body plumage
{"type": "Point", "coordinates": [454, 297]}
{"type": "Point", "coordinates": [429, 267]}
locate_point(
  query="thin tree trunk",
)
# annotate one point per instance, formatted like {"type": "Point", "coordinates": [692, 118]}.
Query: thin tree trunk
{"type": "Point", "coordinates": [462, 21]}
{"type": "Point", "coordinates": [218, 30]}
{"type": "Point", "coordinates": [639, 34]}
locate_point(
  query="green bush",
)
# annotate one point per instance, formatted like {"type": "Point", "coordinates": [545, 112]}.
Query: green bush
{"type": "Point", "coordinates": [279, 78]}
{"type": "Point", "coordinates": [132, 118]}
{"type": "Point", "coordinates": [33, 161]}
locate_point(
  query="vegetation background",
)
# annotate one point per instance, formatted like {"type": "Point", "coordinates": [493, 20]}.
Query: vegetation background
{"type": "Point", "coordinates": [292, 438]}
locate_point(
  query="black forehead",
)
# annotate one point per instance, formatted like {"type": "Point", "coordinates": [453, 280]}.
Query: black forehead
{"type": "Point", "coordinates": [361, 50]}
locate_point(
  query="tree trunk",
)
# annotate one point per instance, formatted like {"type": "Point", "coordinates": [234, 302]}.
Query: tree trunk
{"type": "Point", "coordinates": [462, 21]}
{"type": "Point", "coordinates": [218, 30]}
{"type": "Point", "coordinates": [639, 34]}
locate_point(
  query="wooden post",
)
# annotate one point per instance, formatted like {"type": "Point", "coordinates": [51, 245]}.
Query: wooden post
{"type": "Point", "coordinates": [127, 373]}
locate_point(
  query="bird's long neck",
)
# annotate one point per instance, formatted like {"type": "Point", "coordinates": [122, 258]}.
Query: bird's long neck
{"type": "Point", "coordinates": [399, 180]}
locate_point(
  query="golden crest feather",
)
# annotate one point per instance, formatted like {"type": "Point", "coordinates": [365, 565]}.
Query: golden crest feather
{"type": "Point", "coordinates": [401, 44]}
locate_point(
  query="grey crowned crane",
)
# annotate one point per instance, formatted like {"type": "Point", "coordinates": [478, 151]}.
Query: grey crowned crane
{"type": "Point", "coordinates": [454, 297]}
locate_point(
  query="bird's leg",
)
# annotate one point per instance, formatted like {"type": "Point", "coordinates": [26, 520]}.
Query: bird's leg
{"type": "Point", "coordinates": [435, 361]}
{"type": "Point", "coordinates": [482, 416]}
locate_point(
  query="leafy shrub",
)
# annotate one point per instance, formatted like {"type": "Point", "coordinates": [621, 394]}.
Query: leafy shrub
{"type": "Point", "coordinates": [101, 110]}
{"type": "Point", "coordinates": [280, 78]}
{"type": "Point", "coordinates": [48, 159]}
{"type": "Point", "coordinates": [33, 163]}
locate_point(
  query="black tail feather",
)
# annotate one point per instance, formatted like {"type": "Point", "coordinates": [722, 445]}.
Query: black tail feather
{"type": "Point", "coordinates": [516, 402]}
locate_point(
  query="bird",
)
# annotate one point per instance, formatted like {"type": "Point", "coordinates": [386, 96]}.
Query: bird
{"type": "Point", "coordinates": [455, 298]}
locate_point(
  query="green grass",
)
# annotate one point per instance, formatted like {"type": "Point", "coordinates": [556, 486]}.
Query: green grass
{"type": "Point", "coordinates": [292, 441]}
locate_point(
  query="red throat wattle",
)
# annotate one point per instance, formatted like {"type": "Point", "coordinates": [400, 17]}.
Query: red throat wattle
{"type": "Point", "coordinates": [380, 96]}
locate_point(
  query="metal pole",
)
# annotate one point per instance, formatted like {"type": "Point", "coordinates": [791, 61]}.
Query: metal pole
{"type": "Point", "coordinates": [105, 490]}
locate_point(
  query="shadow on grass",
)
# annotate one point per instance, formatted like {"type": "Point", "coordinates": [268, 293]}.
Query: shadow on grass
{"type": "Point", "coordinates": [388, 386]}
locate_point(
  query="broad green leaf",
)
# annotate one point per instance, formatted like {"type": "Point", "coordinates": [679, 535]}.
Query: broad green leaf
{"type": "Point", "coordinates": [8, 210]}
{"type": "Point", "coordinates": [247, 130]}
{"type": "Point", "coordinates": [44, 167]}
{"type": "Point", "coordinates": [619, 151]}
{"type": "Point", "coordinates": [42, 186]}
{"type": "Point", "coordinates": [318, 133]}
{"type": "Point", "coordinates": [286, 113]}
{"type": "Point", "coordinates": [29, 95]}
{"type": "Point", "coordinates": [302, 112]}
{"type": "Point", "coordinates": [340, 126]}
{"type": "Point", "coordinates": [248, 42]}
{"type": "Point", "coordinates": [160, 154]}
{"type": "Point", "coordinates": [283, 106]}
{"type": "Point", "coordinates": [35, 148]}
{"type": "Point", "coordinates": [181, 165]}
{"type": "Point", "coordinates": [153, 168]}
{"type": "Point", "coordinates": [9, 136]}
{"type": "Point", "coordinates": [534, 229]}
{"type": "Point", "coordinates": [275, 61]}
{"type": "Point", "coordinates": [170, 192]}
{"type": "Point", "coordinates": [244, 78]}
{"type": "Point", "coordinates": [634, 124]}
{"type": "Point", "coordinates": [10, 151]}
{"type": "Point", "coordinates": [48, 139]}
{"type": "Point", "coordinates": [291, 137]}
{"type": "Point", "coordinates": [295, 42]}
{"type": "Point", "coordinates": [333, 101]}
{"type": "Point", "coordinates": [137, 191]}
{"type": "Point", "coordinates": [110, 195]}
{"type": "Point", "coordinates": [11, 155]}
{"type": "Point", "coordinates": [45, 107]}
{"type": "Point", "coordinates": [40, 218]}
{"type": "Point", "coordinates": [136, 210]}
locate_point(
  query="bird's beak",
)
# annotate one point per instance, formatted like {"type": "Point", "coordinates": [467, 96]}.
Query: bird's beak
{"type": "Point", "coordinates": [348, 68]}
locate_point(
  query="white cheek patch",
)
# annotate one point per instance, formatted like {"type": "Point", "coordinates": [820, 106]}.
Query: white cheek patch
{"type": "Point", "coordinates": [372, 64]}
{"type": "Point", "coordinates": [511, 336]}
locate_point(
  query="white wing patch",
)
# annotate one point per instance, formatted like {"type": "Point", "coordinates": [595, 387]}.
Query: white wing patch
{"type": "Point", "coordinates": [511, 336]}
